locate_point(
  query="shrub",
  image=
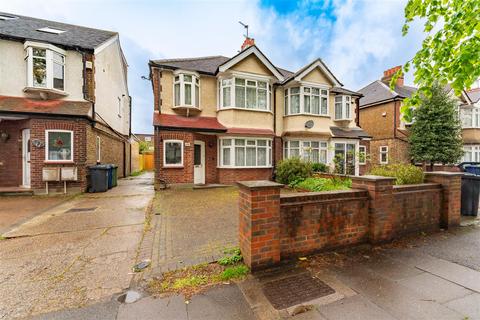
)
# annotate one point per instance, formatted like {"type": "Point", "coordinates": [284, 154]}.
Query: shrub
{"type": "Point", "coordinates": [404, 173]}
{"type": "Point", "coordinates": [319, 167]}
{"type": "Point", "coordinates": [293, 170]}
{"type": "Point", "coordinates": [323, 184]}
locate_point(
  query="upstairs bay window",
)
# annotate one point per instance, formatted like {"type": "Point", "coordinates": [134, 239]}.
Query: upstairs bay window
{"type": "Point", "coordinates": [343, 108]}
{"type": "Point", "coordinates": [186, 89]}
{"type": "Point", "coordinates": [245, 94]}
{"type": "Point", "coordinates": [313, 151]}
{"type": "Point", "coordinates": [470, 117]}
{"type": "Point", "coordinates": [245, 153]}
{"type": "Point", "coordinates": [306, 100]}
{"type": "Point", "coordinates": [45, 68]}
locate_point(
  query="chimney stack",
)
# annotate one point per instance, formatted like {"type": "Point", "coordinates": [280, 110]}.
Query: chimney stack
{"type": "Point", "coordinates": [247, 43]}
{"type": "Point", "coordinates": [388, 75]}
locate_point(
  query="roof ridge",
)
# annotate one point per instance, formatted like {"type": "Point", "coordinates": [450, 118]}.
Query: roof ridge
{"type": "Point", "coordinates": [58, 22]}
{"type": "Point", "coordinates": [387, 87]}
{"type": "Point", "coordinates": [190, 59]}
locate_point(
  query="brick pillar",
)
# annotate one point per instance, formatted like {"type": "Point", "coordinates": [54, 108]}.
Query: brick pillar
{"type": "Point", "coordinates": [381, 215]}
{"type": "Point", "coordinates": [259, 231]}
{"type": "Point", "coordinates": [452, 191]}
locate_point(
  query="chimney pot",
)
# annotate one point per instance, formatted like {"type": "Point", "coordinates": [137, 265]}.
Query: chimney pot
{"type": "Point", "coordinates": [247, 43]}
{"type": "Point", "coordinates": [388, 74]}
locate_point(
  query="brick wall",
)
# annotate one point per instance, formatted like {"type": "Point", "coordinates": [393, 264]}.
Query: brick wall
{"type": "Point", "coordinates": [373, 211]}
{"type": "Point", "coordinates": [11, 153]}
{"type": "Point", "coordinates": [398, 151]}
{"type": "Point", "coordinates": [231, 176]}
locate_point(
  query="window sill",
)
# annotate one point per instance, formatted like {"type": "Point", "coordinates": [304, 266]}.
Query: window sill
{"type": "Point", "coordinates": [244, 109]}
{"type": "Point", "coordinates": [49, 92]}
{"type": "Point", "coordinates": [169, 166]}
{"type": "Point", "coordinates": [59, 162]}
{"type": "Point", "coordinates": [307, 115]}
{"type": "Point", "coordinates": [264, 167]}
{"type": "Point", "coordinates": [342, 120]}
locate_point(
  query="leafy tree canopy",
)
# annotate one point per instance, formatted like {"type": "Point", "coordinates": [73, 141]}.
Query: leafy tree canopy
{"type": "Point", "coordinates": [435, 135]}
{"type": "Point", "coordinates": [450, 53]}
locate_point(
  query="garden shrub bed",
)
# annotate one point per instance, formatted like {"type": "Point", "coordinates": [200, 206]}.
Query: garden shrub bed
{"type": "Point", "coordinates": [316, 184]}
{"type": "Point", "coordinates": [403, 173]}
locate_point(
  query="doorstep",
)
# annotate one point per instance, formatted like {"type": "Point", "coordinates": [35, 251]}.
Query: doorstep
{"type": "Point", "coordinates": [15, 191]}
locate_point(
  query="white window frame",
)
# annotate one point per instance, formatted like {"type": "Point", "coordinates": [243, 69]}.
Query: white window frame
{"type": "Point", "coordinates": [362, 150]}
{"type": "Point", "coordinates": [195, 84]}
{"type": "Point", "coordinates": [47, 135]}
{"type": "Point", "coordinates": [345, 142]}
{"type": "Point", "coordinates": [302, 150]}
{"type": "Point", "coordinates": [346, 104]}
{"type": "Point", "coordinates": [383, 150]}
{"type": "Point", "coordinates": [49, 59]}
{"type": "Point", "coordinates": [232, 146]}
{"type": "Point", "coordinates": [307, 91]}
{"type": "Point", "coordinates": [98, 148]}
{"type": "Point", "coordinates": [472, 115]}
{"type": "Point", "coordinates": [226, 83]}
{"type": "Point", "coordinates": [174, 165]}
{"type": "Point", "coordinates": [474, 150]}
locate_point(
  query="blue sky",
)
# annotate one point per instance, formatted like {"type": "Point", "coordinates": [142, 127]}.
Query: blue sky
{"type": "Point", "coordinates": [357, 39]}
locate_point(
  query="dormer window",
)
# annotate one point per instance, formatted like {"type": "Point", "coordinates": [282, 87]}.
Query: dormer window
{"type": "Point", "coordinates": [45, 68]}
{"type": "Point", "coordinates": [51, 30]}
{"type": "Point", "coordinates": [186, 90]}
{"type": "Point", "coordinates": [343, 107]}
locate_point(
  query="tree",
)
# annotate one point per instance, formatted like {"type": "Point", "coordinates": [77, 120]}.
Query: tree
{"type": "Point", "coordinates": [435, 135]}
{"type": "Point", "coordinates": [450, 52]}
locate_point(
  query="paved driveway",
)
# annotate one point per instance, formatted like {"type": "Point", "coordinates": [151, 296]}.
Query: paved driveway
{"type": "Point", "coordinates": [68, 258]}
{"type": "Point", "coordinates": [193, 226]}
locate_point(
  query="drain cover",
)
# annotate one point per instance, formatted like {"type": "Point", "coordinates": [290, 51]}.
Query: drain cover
{"type": "Point", "coordinates": [80, 209]}
{"type": "Point", "coordinates": [286, 292]}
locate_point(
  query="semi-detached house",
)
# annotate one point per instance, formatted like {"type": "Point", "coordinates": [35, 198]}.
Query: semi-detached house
{"type": "Point", "coordinates": [220, 120]}
{"type": "Point", "coordinates": [64, 103]}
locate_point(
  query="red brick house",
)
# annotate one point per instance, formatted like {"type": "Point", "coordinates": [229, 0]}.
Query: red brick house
{"type": "Point", "coordinates": [221, 120]}
{"type": "Point", "coordinates": [65, 106]}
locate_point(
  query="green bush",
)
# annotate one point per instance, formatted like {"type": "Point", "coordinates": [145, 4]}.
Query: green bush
{"type": "Point", "coordinates": [319, 167]}
{"type": "Point", "coordinates": [293, 170]}
{"type": "Point", "coordinates": [323, 184]}
{"type": "Point", "coordinates": [404, 173]}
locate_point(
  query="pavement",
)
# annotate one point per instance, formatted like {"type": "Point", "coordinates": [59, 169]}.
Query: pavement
{"type": "Point", "coordinates": [76, 253]}
{"type": "Point", "coordinates": [193, 226]}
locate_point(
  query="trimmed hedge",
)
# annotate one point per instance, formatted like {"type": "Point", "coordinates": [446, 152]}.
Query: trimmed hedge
{"type": "Point", "coordinates": [404, 173]}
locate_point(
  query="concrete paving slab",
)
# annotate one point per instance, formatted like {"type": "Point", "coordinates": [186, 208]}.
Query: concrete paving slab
{"type": "Point", "coordinates": [150, 308]}
{"type": "Point", "coordinates": [222, 303]}
{"type": "Point", "coordinates": [469, 306]}
{"type": "Point", "coordinates": [353, 308]}
{"type": "Point", "coordinates": [453, 272]}
{"type": "Point", "coordinates": [389, 268]}
{"type": "Point", "coordinates": [434, 288]}
{"type": "Point", "coordinates": [99, 311]}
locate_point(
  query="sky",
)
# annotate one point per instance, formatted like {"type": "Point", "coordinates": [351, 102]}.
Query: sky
{"type": "Point", "coordinates": [357, 39]}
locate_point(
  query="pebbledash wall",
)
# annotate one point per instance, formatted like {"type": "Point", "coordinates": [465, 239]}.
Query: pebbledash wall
{"type": "Point", "coordinates": [274, 227]}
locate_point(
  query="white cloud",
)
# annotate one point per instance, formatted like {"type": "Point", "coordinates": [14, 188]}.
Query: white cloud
{"type": "Point", "coordinates": [364, 39]}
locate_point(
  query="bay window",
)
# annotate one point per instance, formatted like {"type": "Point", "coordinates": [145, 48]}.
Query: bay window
{"type": "Point", "coordinates": [186, 89]}
{"type": "Point", "coordinates": [470, 117]}
{"type": "Point", "coordinates": [471, 153]}
{"type": "Point", "coordinates": [245, 152]}
{"type": "Point", "coordinates": [45, 67]}
{"type": "Point", "coordinates": [245, 94]}
{"type": "Point", "coordinates": [313, 151]}
{"type": "Point", "coordinates": [59, 145]}
{"type": "Point", "coordinates": [306, 100]}
{"type": "Point", "coordinates": [342, 107]}
{"type": "Point", "coordinates": [172, 153]}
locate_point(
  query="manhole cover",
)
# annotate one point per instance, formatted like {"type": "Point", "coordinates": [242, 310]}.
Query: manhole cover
{"type": "Point", "coordinates": [286, 292]}
{"type": "Point", "coordinates": [80, 209]}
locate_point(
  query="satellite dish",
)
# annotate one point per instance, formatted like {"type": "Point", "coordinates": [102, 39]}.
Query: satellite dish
{"type": "Point", "coordinates": [309, 124]}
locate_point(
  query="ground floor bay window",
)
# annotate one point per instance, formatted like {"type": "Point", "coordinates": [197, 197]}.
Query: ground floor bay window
{"type": "Point", "coordinates": [245, 152]}
{"type": "Point", "coordinates": [471, 153]}
{"type": "Point", "coordinates": [309, 150]}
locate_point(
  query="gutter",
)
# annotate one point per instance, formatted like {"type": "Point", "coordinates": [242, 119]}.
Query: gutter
{"type": "Point", "coordinates": [49, 115]}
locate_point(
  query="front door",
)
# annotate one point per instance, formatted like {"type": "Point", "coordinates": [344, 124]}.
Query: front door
{"type": "Point", "coordinates": [26, 158]}
{"type": "Point", "coordinates": [344, 158]}
{"type": "Point", "coordinates": [199, 162]}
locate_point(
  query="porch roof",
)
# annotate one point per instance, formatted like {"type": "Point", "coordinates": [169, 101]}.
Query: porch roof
{"type": "Point", "coordinates": [21, 105]}
{"type": "Point", "coordinates": [174, 122]}
{"type": "Point", "coordinates": [356, 133]}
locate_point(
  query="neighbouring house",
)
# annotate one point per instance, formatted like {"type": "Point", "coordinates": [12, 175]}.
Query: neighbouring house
{"type": "Point", "coordinates": [148, 140]}
{"type": "Point", "coordinates": [470, 116]}
{"type": "Point", "coordinates": [64, 103]}
{"type": "Point", "coordinates": [221, 120]}
{"type": "Point", "coordinates": [381, 118]}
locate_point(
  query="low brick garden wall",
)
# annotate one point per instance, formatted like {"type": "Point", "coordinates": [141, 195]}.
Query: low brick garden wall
{"type": "Point", "coordinates": [275, 227]}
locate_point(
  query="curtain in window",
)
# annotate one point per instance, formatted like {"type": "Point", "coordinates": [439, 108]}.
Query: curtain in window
{"type": "Point", "coordinates": [251, 97]}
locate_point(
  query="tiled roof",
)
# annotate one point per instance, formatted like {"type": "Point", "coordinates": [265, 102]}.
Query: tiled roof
{"type": "Point", "coordinates": [378, 91]}
{"type": "Point", "coordinates": [338, 132]}
{"type": "Point", "coordinates": [25, 28]}
{"type": "Point", "coordinates": [250, 131]}
{"type": "Point", "coordinates": [51, 107]}
{"type": "Point", "coordinates": [474, 95]}
{"type": "Point", "coordinates": [171, 121]}
{"type": "Point", "coordinates": [341, 90]}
